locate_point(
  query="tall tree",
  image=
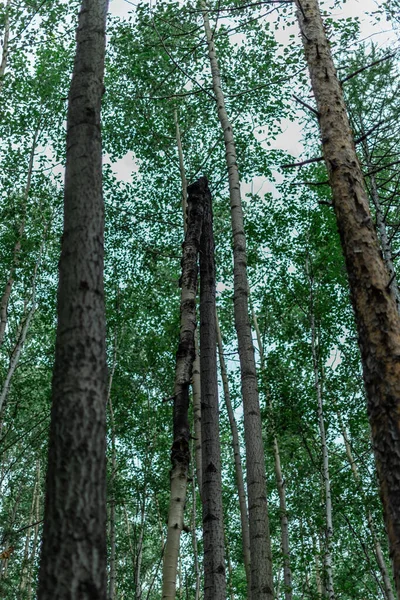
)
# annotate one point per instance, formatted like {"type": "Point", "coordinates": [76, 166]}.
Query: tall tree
{"type": "Point", "coordinates": [180, 452]}
{"type": "Point", "coordinates": [374, 305]}
{"type": "Point", "coordinates": [73, 558]}
{"type": "Point", "coordinates": [260, 545]}
{"type": "Point", "coordinates": [213, 521]}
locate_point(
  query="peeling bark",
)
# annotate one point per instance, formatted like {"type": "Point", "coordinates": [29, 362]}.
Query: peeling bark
{"type": "Point", "coordinates": [180, 453]}
{"type": "Point", "coordinates": [73, 562]}
{"type": "Point", "coordinates": [375, 309]}
{"type": "Point", "coordinates": [196, 384]}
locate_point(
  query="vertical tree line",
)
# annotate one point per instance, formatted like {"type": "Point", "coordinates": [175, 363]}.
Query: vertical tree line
{"type": "Point", "coordinates": [271, 493]}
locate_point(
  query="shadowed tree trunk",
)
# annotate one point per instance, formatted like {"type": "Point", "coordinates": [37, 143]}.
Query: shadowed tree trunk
{"type": "Point", "coordinates": [375, 308]}
{"type": "Point", "coordinates": [213, 521]}
{"type": "Point", "coordinates": [180, 453]}
{"type": "Point", "coordinates": [196, 385]}
{"type": "Point", "coordinates": [73, 558]}
{"type": "Point", "coordinates": [260, 543]}
{"type": "Point", "coordinates": [244, 518]}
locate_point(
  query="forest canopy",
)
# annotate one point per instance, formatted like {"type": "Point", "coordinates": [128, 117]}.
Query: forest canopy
{"type": "Point", "coordinates": [199, 307]}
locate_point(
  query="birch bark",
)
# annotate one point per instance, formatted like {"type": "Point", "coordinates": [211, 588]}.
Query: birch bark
{"type": "Point", "coordinates": [285, 547]}
{"type": "Point", "coordinates": [375, 309]}
{"type": "Point", "coordinates": [180, 453]}
{"type": "Point", "coordinates": [260, 544]}
{"type": "Point", "coordinates": [244, 519]}
{"type": "Point", "coordinates": [4, 55]}
{"type": "Point", "coordinates": [73, 561]}
{"type": "Point", "coordinates": [196, 382]}
{"type": "Point", "coordinates": [325, 465]}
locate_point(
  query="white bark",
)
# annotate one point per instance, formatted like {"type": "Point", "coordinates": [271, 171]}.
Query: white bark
{"type": "Point", "coordinates": [285, 547]}
{"type": "Point", "coordinates": [260, 544]}
{"type": "Point", "coordinates": [196, 380]}
{"type": "Point", "coordinates": [244, 519]}
{"type": "Point", "coordinates": [325, 465]}
{"type": "Point", "coordinates": [4, 56]}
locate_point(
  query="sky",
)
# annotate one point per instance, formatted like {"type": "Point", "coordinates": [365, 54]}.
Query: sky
{"type": "Point", "coordinates": [290, 138]}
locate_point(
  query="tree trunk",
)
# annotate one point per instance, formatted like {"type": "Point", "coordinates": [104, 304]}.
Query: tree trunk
{"type": "Point", "coordinates": [244, 519]}
{"type": "Point", "coordinates": [4, 56]}
{"type": "Point", "coordinates": [17, 247]}
{"type": "Point", "coordinates": [139, 549]}
{"type": "Point", "coordinates": [194, 538]}
{"type": "Point", "coordinates": [196, 384]}
{"type": "Point", "coordinates": [325, 465]}
{"type": "Point", "coordinates": [260, 543]}
{"type": "Point", "coordinates": [15, 356]}
{"type": "Point", "coordinates": [112, 577]}
{"type": "Point", "coordinates": [25, 572]}
{"type": "Point", "coordinates": [375, 309]}
{"type": "Point", "coordinates": [74, 559]}
{"type": "Point", "coordinates": [287, 570]}
{"type": "Point", "coordinates": [213, 519]}
{"type": "Point", "coordinates": [35, 532]}
{"type": "Point", "coordinates": [180, 453]}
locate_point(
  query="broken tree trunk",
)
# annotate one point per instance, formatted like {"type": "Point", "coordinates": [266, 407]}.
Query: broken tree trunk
{"type": "Point", "coordinates": [213, 521]}
{"type": "Point", "coordinates": [180, 453]}
{"type": "Point", "coordinates": [260, 542]}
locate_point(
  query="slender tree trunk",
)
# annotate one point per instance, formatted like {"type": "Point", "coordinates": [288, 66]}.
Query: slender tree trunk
{"type": "Point", "coordinates": [194, 538]}
{"type": "Point", "coordinates": [244, 519]}
{"type": "Point", "coordinates": [230, 571]}
{"type": "Point", "coordinates": [325, 466]}
{"type": "Point", "coordinates": [196, 384]}
{"type": "Point", "coordinates": [375, 309]}
{"type": "Point", "coordinates": [260, 543]}
{"type": "Point", "coordinates": [25, 562]}
{"type": "Point", "coordinates": [6, 540]}
{"type": "Point", "coordinates": [35, 533]}
{"type": "Point", "coordinates": [112, 577]}
{"type": "Point", "coordinates": [4, 56]}
{"type": "Point", "coordinates": [139, 550]}
{"type": "Point", "coordinates": [213, 518]}
{"type": "Point", "coordinates": [180, 453]}
{"type": "Point", "coordinates": [17, 247]}
{"type": "Point", "coordinates": [74, 551]}
{"type": "Point", "coordinates": [14, 360]}
{"type": "Point", "coordinates": [387, 586]}
{"type": "Point", "coordinates": [287, 571]}
{"type": "Point", "coordinates": [22, 332]}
